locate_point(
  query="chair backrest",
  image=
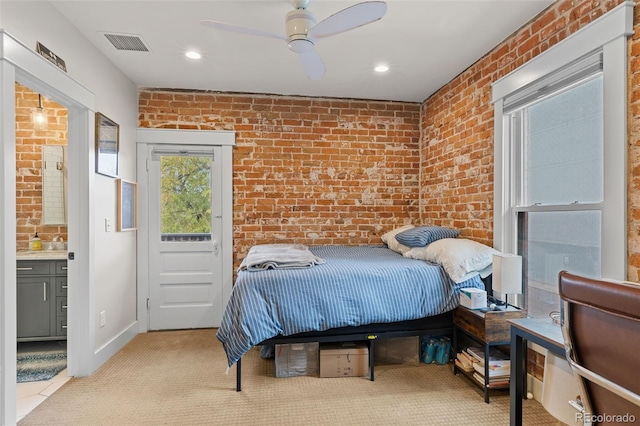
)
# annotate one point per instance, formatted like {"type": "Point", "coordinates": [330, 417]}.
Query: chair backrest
{"type": "Point", "coordinates": [601, 328]}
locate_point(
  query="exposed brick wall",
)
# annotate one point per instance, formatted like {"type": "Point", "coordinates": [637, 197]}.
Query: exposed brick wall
{"type": "Point", "coordinates": [457, 127]}
{"type": "Point", "coordinates": [535, 364]}
{"type": "Point", "coordinates": [457, 132]}
{"type": "Point", "coordinates": [297, 142]}
{"type": "Point", "coordinates": [457, 159]}
{"type": "Point", "coordinates": [29, 165]}
{"type": "Point", "coordinates": [306, 170]}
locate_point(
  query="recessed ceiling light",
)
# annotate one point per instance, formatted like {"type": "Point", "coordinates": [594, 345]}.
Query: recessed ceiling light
{"type": "Point", "coordinates": [193, 55]}
{"type": "Point", "coordinates": [381, 68]}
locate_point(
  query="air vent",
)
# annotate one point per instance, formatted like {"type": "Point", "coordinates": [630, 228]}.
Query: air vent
{"type": "Point", "coordinates": [132, 43]}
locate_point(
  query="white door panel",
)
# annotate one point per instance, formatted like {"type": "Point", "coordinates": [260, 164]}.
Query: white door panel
{"type": "Point", "coordinates": [196, 294]}
{"type": "Point", "coordinates": [185, 260]}
{"type": "Point", "coordinates": [185, 284]}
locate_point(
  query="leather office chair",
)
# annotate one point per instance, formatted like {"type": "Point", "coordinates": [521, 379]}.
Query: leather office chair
{"type": "Point", "coordinates": [601, 329]}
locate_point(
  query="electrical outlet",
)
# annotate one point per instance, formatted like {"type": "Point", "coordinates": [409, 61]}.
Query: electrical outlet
{"type": "Point", "coordinates": [103, 318]}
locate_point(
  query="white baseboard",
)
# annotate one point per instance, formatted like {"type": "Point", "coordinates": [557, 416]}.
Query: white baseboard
{"type": "Point", "coordinates": [534, 386]}
{"type": "Point", "coordinates": [108, 350]}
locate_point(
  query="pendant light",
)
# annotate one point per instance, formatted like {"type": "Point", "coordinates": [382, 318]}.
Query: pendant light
{"type": "Point", "coordinates": [39, 116]}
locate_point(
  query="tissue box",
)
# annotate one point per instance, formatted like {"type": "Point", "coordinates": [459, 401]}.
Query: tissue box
{"type": "Point", "coordinates": [473, 298]}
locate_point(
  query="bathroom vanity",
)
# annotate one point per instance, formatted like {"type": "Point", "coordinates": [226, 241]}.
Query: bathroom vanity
{"type": "Point", "coordinates": [42, 295]}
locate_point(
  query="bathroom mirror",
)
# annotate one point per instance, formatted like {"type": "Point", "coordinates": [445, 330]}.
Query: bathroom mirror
{"type": "Point", "coordinates": [54, 185]}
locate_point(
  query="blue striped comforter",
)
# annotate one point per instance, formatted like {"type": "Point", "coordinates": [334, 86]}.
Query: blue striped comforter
{"type": "Point", "coordinates": [357, 285]}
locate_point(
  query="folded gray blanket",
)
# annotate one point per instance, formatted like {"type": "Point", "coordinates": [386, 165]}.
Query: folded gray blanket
{"type": "Point", "coordinates": [279, 256]}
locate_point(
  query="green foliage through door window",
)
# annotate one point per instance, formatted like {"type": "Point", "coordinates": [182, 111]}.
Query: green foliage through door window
{"type": "Point", "coordinates": [185, 196]}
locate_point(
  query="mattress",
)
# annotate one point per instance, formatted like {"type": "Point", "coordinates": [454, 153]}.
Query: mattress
{"type": "Point", "coordinates": [357, 285]}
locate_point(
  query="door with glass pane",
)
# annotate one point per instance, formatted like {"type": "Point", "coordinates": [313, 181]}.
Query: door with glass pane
{"type": "Point", "coordinates": [185, 285]}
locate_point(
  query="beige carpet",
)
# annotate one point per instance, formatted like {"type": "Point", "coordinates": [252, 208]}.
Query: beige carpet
{"type": "Point", "coordinates": [178, 378]}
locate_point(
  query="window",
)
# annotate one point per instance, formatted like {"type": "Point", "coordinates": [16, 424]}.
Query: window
{"type": "Point", "coordinates": [185, 198]}
{"type": "Point", "coordinates": [559, 145]}
{"type": "Point", "coordinates": [560, 177]}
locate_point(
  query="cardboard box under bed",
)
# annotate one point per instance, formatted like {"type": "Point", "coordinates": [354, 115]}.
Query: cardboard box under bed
{"type": "Point", "coordinates": [434, 325]}
{"type": "Point", "coordinates": [346, 359]}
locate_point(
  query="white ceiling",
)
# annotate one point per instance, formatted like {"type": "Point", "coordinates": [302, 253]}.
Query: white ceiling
{"type": "Point", "coordinates": [425, 43]}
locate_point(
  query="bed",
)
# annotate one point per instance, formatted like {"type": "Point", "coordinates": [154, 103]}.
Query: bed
{"type": "Point", "coordinates": [358, 293]}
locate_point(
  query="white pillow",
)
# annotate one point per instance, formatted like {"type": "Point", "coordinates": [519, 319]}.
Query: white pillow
{"type": "Point", "coordinates": [460, 257]}
{"type": "Point", "coordinates": [390, 240]}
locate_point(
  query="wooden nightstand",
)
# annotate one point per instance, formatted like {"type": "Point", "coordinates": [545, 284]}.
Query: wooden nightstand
{"type": "Point", "coordinates": [486, 328]}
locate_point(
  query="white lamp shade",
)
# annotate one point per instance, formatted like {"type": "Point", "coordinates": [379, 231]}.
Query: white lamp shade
{"type": "Point", "coordinates": [507, 273]}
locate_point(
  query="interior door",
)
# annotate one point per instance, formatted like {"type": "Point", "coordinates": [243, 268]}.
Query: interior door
{"type": "Point", "coordinates": [185, 259]}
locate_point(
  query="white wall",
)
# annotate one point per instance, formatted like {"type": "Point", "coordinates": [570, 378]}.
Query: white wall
{"type": "Point", "coordinates": [116, 97]}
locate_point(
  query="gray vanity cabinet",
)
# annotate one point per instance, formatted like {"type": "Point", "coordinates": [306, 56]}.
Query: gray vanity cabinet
{"type": "Point", "coordinates": [42, 300]}
{"type": "Point", "coordinates": [34, 306]}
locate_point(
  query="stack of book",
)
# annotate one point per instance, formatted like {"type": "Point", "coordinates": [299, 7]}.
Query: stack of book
{"type": "Point", "coordinates": [472, 361]}
{"type": "Point", "coordinates": [465, 362]}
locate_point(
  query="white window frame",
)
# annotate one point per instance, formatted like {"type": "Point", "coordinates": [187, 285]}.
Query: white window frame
{"type": "Point", "coordinates": [607, 34]}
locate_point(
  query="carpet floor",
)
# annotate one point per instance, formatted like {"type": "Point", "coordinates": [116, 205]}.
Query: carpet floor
{"type": "Point", "coordinates": [178, 378]}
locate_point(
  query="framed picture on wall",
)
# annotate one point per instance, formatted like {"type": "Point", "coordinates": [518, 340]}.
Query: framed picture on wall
{"type": "Point", "coordinates": [107, 140]}
{"type": "Point", "coordinates": [127, 205]}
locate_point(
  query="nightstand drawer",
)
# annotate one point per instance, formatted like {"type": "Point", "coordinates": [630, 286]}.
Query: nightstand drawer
{"type": "Point", "coordinates": [491, 326]}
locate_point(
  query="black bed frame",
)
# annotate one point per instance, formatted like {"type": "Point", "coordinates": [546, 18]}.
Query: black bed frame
{"type": "Point", "coordinates": [435, 325]}
{"type": "Point", "coordinates": [428, 326]}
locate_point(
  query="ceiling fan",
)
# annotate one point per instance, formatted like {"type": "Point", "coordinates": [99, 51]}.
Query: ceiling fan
{"type": "Point", "coordinates": [303, 31]}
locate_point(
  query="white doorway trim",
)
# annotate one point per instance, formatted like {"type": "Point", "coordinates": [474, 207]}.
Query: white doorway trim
{"type": "Point", "coordinates": [224, 139]}
{"type": "Point", "coordinates": [20, 64]}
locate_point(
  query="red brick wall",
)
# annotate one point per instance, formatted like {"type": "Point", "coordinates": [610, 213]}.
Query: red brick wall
{"type": "Point", "coordinates": [457, 127]}
{"type": "Point", "coordinates": [457, 132]}
{"type": "Point", "coordinates": [29, 165]}
{"type": "Point", "coordinates": [306, 170]}
{"type": "Point", "coordinates": [287, 183]}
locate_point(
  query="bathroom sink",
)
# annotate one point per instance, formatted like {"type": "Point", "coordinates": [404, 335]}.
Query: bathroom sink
{"type": "Point", "coordinates": [41, 255]}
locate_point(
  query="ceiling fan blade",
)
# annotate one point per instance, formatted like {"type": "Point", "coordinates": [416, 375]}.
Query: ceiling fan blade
{"type": "Point", "coordinates": [347, 19]}
{"type": "Point", "coordinates": [238, 29]}
{"type": "Point", "coordinates": [312, 64]}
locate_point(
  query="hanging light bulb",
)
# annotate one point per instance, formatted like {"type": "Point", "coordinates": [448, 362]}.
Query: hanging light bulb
{"type": "Point", "coordinates": [39, 116]}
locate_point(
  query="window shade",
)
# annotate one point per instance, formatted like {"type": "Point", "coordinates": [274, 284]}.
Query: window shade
{"type": "Point", "coordinates": [574, 72]}
{"type": "Point", "coordinates": [157, 153]}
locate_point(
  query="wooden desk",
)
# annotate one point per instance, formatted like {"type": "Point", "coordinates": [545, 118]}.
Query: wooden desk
{"type": "Point", "coordinates": [542, 331]}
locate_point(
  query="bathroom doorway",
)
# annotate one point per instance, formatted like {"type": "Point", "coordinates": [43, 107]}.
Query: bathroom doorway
{"type": "Point", "coordinates": [41, 217]}
{"type": "Point", "coordinates": [22, 65]}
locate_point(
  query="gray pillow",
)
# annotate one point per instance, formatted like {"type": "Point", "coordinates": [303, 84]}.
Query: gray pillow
{"type": "Point", "coordinates": [421, 236]}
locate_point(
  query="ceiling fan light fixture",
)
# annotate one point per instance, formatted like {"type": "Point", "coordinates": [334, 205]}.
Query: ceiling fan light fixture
{"type": "Point", "coordinates": [303, 30]}
{"type": "Point", "coordinates": [301, 45]}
